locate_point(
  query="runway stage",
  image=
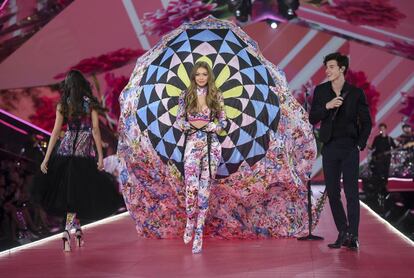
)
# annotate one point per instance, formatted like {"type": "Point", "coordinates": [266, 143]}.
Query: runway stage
{"type": "Point", "coordinates": [112, 249]}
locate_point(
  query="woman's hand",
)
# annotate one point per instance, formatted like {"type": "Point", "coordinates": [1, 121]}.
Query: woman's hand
{"type": "Point", "coordinates": [100, 164]}
{"type": "Point", "coordinates": [211, 127]}
{"type": "Point", "coordinates": [43, 166]}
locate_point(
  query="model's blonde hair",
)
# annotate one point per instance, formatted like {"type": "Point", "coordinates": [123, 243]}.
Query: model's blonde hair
{"type": "Point", "coordinates": [212, 93]}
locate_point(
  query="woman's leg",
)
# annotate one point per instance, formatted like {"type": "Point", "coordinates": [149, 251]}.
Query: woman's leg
{"type": "Point", "coordinates": [70, 224]}
{"type": "Point", "coordinates": [76, 223]}
{"type": "Point", "coordinates": [204, 191]}
{"type": "Point", "coordinates": [78, 233]}
{"type": "Point", "coordinates": [191, 176]}
{"type": "Point", "coordinates": [70, 221]}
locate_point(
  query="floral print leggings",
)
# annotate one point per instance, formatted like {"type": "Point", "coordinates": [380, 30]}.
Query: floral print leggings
{"type": "Point", "coordinates": [197, 174]}
{"type": "Point", "coordinates": [72, 222]}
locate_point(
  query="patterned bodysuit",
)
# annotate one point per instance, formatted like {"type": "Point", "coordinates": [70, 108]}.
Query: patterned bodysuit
{"type": "Point", "coordinates": [202, 156]}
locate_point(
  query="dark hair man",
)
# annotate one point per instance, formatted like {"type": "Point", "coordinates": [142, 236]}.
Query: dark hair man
{"type": "Point", "coordinates": [343, 112]}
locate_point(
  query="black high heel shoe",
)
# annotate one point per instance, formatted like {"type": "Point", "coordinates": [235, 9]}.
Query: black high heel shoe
{"type": "Point", "coordinates": [66, 241]}
{"type": "Point", "coordinates": [79, 240]}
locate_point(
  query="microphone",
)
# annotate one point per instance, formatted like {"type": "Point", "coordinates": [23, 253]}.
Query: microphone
{"type": "Point", "coordinates": [343, 95]}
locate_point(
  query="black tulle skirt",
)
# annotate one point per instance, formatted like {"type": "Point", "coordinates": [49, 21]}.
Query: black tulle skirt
{"type": "Point", "coordinates": [74, 184]}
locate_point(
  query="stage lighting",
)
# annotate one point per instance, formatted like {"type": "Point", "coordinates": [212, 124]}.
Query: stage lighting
{"type": "Point", "coordinates": [287, 8]}
{"type": "Point", "coordinates": [272, 23]}
{"type": "Point", "coordinates": [242, 9]}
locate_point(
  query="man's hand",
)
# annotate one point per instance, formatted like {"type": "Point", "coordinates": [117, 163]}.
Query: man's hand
{"type": "Point", "coordinates": [334, 103]}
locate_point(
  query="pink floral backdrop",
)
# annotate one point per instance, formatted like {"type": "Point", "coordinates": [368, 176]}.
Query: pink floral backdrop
{"type": "Point", "coordinates": [37, 104]}
{"type": "Point", "coordinates": [365, 12]}
{"type": "Point", "coordinates": [408, 107]}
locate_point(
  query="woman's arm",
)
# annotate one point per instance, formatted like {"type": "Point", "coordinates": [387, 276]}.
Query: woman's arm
{"type": "Point", "coordinates": [221, 115]}
{"type": "Point", "coordinates": [181, 114]}
{"type": "Point", "coordinates": [96, 133]}
{"type": "Point", "coordinates": [53, 138]}
{"type": "Point", "coordinates": [220, 122]}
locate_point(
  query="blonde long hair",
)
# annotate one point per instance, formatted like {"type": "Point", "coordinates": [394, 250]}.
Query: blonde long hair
{"type": "Point", "coordinates": [212, 93]}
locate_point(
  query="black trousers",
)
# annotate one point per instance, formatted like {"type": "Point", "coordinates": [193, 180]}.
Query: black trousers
{"type": "Point", "coordinates": [341, 156]}
{"type": "Point", "coordinates": [381, 166]}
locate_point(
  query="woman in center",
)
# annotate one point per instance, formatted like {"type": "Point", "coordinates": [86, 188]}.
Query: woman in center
{"type": "Point", "coordinates": [200, 116]}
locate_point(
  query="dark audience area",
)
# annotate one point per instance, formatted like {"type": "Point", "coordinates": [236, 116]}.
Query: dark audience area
{"type": "Point", "coordinates": [21, 220]}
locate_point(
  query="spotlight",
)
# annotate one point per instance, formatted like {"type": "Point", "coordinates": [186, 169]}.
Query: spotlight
{"type": "Point", "coordinates": [242, 9]}
{"type": "Point", "coordinates": [273, 23]}
{"type": "Point", "coordinates": [287, 8]}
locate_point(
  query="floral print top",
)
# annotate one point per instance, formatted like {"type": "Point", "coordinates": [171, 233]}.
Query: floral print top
{"type": "Point", "coordinates": [78, 139]}
{"type": "Point", "coordinates": [216, 124]}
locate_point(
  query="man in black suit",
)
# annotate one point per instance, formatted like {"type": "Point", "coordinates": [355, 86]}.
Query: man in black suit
{"type": "Point", "coordinates": [343, 112]}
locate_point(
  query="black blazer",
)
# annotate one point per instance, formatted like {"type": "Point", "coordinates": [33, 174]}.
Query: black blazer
{"type": "Point", "coordinates": [356, 122]}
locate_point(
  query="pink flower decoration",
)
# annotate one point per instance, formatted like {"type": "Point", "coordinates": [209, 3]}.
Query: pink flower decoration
{"type": "Point", "coordinates": [177, 12]}
{"type": "Point", "coordinates": [308, 89]}
{"type": "Point", "coordinates": [105, 62]}
{"type": "Point", "coordinates": [115, 85]}
{"type": "Point", "coordinates": [366, 12]}
{"type": "Point", "coordinates": [405, 48]}
{"type": "Point", "coordinates": [359, 79]}
{"type": "Point", "coordinates": [44, 116]}
{"type": "Point", "coordinates": [408, 109]}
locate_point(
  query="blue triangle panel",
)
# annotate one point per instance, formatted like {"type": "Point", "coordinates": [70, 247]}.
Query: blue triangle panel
{"type": "Point", "coordinates": [243, 54]}
{"type": "Point", "coordinates": [155, 128]}
{"type": "Point", "coordinates": [182, 37]}
{"type": "Point", "coordinates": [147, 91]}
{"type": "Point", "coordinates": [272, 110]}
{"type": "Point", "coordinates": [161, 148]}
{"type": "Point", "coordinates": [264, 89]}
{"type": "Point", "coordinates": [222, 170]}
{"type": "Point", "coordinates": [249, 72]}
{"type": "Point", "coordinates": [186, 47]}
{"type": "Point", "coordinates": [235, 157]}
{"type": "Point", "coordinates": [153, 107]}
{"type": "Point", "coordinates": [258, 106]}
{"type": "Point", "coordinates": [232, 38]}
{"type": "Point", "coordinates": [167, 55]}
{"type": "Point", "coordinates": [150, 72]}
{"type": "Point", "coordinates": [206, 36]}
{"type": "Point", "coordinates": [263, 73]}
{"type": "Point", "coordinates": [142, 115]}
{"type": "Point", "coordinates": [169, 136]}
{"type": "Point", "coordinates": [160, 72]}
{"type": "Point", "coordinates": [225, 48]}
{"type": "Point", "coordinates": [244, 137]}
{"type": "Point", "coordinates": [255, 150]}
{"type": "Point", "coordinates": [261, 129]}
{"type": "Point", "coordinates": [177, 155]}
